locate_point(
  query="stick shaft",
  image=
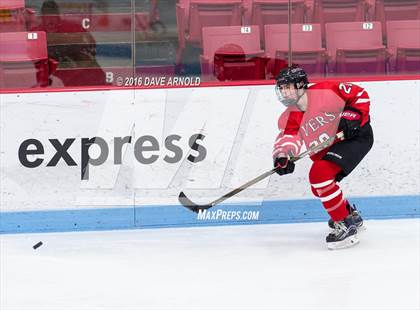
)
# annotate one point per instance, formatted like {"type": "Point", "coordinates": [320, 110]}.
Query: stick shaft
{"type": "Point", "coordinates": [243, 186]}
{"type": "Point", "coordinates": [239, 189]}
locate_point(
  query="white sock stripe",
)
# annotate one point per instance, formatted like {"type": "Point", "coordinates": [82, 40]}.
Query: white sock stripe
{"type": "Point", "coordinates": [362, 100]}
{"type": "Point", "coordinates": [335, 206]}
{"type": "Point", "coordinates": [325, 189]}
{"type": "Point", "coordinates": [332, 196]}
{"type": "Point", "coordinates": [323, 184]}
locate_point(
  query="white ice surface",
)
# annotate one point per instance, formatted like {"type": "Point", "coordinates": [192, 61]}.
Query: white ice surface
{"type": "Point", "coordinates": [241, 267]}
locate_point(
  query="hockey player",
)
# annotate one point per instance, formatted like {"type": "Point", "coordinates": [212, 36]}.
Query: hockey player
{"type": "Point", "coordinates": [314, 114]}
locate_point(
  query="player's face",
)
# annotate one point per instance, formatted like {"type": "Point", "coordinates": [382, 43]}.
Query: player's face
{"type": "Point", "coordinates": [287, 94]}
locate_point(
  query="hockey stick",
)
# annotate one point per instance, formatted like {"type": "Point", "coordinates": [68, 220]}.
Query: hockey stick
{"type": "Point", "coordinates": [186, 202]}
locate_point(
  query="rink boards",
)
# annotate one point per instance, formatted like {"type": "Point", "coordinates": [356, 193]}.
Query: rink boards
{"type": "Point", "coordinates": [118, 158]}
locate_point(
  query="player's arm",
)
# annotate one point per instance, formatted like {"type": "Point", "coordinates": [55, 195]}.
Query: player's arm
{"type": "Point", "coordinates": [288, 143]}
{"type": "Point", "coordinates": [356, 110]}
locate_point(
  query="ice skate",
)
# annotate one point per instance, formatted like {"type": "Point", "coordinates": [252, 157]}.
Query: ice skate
{"type": "Point", "coordinates": [358, 220]}
{"type": "Point", "coordinates": [344, 234]}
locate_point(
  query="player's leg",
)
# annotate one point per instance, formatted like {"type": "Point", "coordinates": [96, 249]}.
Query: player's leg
{"type": "Point", "coordinates": [326, 188]}
{"type": "Point", "coordinates": [347, 155]}
{"type": "Point", "coordinates": [324, 185]}
{"type": "Point", "coordinates": [350, 208]}
{"type": "Point", "coordinates": [358, 220]}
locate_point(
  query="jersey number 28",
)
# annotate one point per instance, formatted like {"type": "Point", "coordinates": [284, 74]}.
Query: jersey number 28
{"type": "Point", "coordinates": [322, 137]}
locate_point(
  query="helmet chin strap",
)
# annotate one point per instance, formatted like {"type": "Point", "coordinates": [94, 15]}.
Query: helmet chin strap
{"type": "Point", "coordinates": [297, 100]}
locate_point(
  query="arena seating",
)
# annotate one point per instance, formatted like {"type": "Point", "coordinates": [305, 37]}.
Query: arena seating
{"type": "Point", "coordinates": [24, 60]}
{"type": "Point", "coordinates": [111, 22]}
{"type": "Point", "coordinates": [232, 53]}
{"type": "Point", "coordinates": [194, 15]}
{"type": "Point", "coordinates": [92, 76]}
{"type": "Point", "coordinates": [77, 40]}
{"type": "Point", "coordinates": [265, 12]}
{"type": "Point", "coordinates": [14, 16]}
{"type": "Point", "coordinates": [307, 48]}
{"type": "Point", "coordinates": [331, 11]}
{"type": "Point", "coordinates": [404, 45]}
{"type": "Point", "coordinates": [355, 48]}
{"type": "Point", "coordinates": [386, 10]}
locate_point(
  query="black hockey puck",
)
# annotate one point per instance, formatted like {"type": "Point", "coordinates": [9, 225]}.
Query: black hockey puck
{"type": "Point", "coordinates": [37, 245]}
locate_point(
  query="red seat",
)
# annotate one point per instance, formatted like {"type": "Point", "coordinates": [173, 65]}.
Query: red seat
{"type": "Point", "coordinates": [307, 50]}
{"type": "Point", "coordinates": [194, 15]}
{"type": "Point", "coordinates": [112, 22]}
{"type": "Point", "coordinates": [404, 45]}
{"type": "Point", "coordinates": [397, 9]}
{"type": "Point", "coordinates": [232, 53]}
{"type": "Point", "coordinates": [386, 10]}
{"type": "Point", "coordinates": [355, 48]}
{"type": "Point", "coordinates": [24, 59]}
{"type": "Point", "coordinates": [265, 12]}
{"type": "Point", "coordinates": [14, 16]}
{"type": "Point", "coordinates": [332, 11]}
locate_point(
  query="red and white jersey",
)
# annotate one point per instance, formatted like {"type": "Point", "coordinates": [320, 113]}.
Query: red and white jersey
{"type": "Point", "coordinates": [320, 121]}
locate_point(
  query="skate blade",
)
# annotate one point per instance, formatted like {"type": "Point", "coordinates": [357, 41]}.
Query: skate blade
{"type": "Point", "coordinates": [346, 243]}
{"type": "Point", "coordinates": [361, 228]}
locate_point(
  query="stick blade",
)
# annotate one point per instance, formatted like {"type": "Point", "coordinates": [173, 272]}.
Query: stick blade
{"type": "Point", "coordinates": [187, 203]}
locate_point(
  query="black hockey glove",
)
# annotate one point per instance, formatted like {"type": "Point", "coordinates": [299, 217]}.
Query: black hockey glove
{"type": "Point", "coordinates": [283, 165]}
{"type": "Point", "coordinates": [350, 123]}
